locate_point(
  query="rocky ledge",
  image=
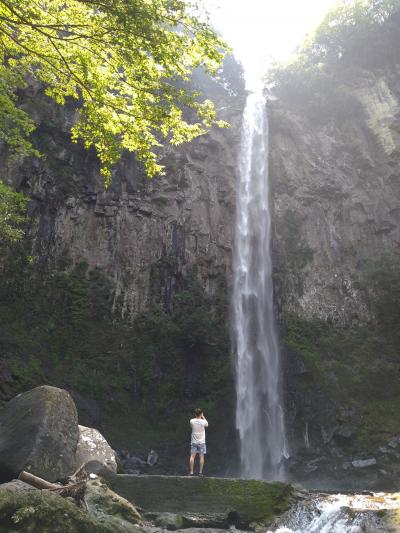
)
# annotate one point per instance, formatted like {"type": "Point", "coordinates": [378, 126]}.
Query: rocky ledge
{"type": "Point", "coordinates": [212, 502]}
{"type": "Point", "coordinates": [79, 490]}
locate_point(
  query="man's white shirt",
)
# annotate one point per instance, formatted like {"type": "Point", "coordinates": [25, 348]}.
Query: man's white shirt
{"type": "Point", "coordinates": [198, 430]}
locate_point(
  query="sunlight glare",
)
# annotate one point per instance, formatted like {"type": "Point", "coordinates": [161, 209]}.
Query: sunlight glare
{"type": "Point", "coordinates": [263, 31]}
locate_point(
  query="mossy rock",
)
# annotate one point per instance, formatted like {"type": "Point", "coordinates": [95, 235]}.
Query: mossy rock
{"type": "Point", "coordinates": [170, 521]}
{"type": "Point", "coordinates": [240, 501]}
{"type": "Point", "coordinates": [45, 512]}
{"type": "Point", "coordinates": [104, 504]}
{"type": "Point", "coordinates": [390, 520]}
{"type": "Point", "coordinates": [39, 433]}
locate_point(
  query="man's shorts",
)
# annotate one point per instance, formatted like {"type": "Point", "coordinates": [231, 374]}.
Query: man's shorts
{"type": "Point", "coordinates": [198, 447]}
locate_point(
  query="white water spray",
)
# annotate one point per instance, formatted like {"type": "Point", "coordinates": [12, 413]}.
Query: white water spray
{"type": "Point", "coordinates": [259, 410]}
{"type": "Point", "coordinates": [338, 513]}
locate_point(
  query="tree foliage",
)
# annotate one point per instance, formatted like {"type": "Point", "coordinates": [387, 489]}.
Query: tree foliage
{"type": "Point", "coordinates": [12, 214]}
{"type": "Point", "coordinates": [345, 25]}
{"type": "Point", "coordinates": [355, 33]}
{"type": "Point", "coordinates": [125, 61]}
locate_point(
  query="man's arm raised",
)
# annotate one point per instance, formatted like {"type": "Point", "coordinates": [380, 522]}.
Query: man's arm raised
{"type": "Point", "coordinates": [206, 423]}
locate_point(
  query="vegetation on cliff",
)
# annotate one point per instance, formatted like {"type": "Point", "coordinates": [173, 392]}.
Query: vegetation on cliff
{"type": "Point", "coordinates": [353, 35]}
{"type": "Point", "coordinates": [336, 267]}
{"type": "Point", "coordinates": [12, 214]}
{"type": "Point", "coordinates": [356, 366]}
{"type": "Point", "coordinates": [58, 328]}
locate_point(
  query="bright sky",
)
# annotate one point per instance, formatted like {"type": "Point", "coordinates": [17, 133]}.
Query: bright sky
{"type": "Point", "coordinates": [265, 30]}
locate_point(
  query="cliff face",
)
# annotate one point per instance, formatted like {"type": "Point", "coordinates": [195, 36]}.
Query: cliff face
{"type": "Point", "coordinates": [336, 180]}
{"type": "Point", "coordinates": [185, 215]}
{"type": "Point", "coordinates": [337, 197]}
{"type": "Point", "coordinates": [121, 296]}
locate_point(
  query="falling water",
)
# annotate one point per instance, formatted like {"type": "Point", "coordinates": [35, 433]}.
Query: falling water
{"type": "Point", "coordinates": [259, 411]}
{"type": "Point", "coordinates": [338, 513]}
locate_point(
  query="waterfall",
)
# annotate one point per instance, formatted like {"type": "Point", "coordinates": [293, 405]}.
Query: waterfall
{"type": "Point", "coordinates": [259, 409]}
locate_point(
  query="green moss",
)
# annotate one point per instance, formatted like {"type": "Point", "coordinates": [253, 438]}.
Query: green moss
{"type": "Point", "coordinates": [354, 368]}
{"type": "Point", "coordinates": [262, 500]}
{"type": "Point", "coordinates": [379, 422]}
{"type": "Point", "coordinates": [58, 328]}
{"type": "Point", "coordinates": [250, 500]}
{"type": "Point", "coordinates": [29, 371]}
{"type": "Point", "coordinates": [392, 518]}
{"type": "Point", "coordinates": [380, 282]}
{"type": "Point", "coordinates": [34, 511]}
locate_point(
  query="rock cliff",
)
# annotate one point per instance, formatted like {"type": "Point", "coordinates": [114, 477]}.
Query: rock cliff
{"type": "Point", "coordinates": [334, 165]}
{"type": "Point", "coordinates": [337, 196]}
{"type": "Point", "coordinates": [121, 295]}
{"type": "Point", "coordinates": [185, 216]}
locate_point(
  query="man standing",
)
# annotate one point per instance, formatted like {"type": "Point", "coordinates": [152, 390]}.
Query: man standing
{"type": "Point", "coordinates": [198, 440]}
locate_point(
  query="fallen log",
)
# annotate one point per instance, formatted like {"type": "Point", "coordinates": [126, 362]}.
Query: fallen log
{"type": "Point", "coordinates": [76, 490]}
{"type": "Point", "coordinates": [36, 481]}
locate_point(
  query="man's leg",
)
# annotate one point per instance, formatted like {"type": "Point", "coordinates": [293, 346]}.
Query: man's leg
{"type": "Point", "coordinates": [191, 462]}
{"type": "Point", "coordinates": [201, 462]}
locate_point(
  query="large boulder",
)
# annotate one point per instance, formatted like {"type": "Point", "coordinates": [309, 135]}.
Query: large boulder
{"type": "Point", "coordinates": [92, 446]}
{"type": "Point", "coordinates": [42, 511]}
{"type": "Point", "coordinates": [39, 433]}
{"type": "Point", "coordinates": [104, 504]}
{"type": "Point", "coordinates": [16, 485]}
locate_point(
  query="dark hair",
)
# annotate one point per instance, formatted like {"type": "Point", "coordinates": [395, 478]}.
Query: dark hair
{"type": "Point", "coordinates": [198, 411]}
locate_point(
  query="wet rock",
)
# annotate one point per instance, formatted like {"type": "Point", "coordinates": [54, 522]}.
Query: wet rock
{"type": "Point", "coordinates": [136, 461]}
{"type": "Point", "coordinates": [311, 466]}
{"type": "Point", "coordinates": [394, 442]}
{"type": "Point", "coordinates": [354, 513]}
{"type": "Point", "coordinates": [209, 520]}
{"type": "Point", "coordinates": [133, 471]}
{"type": "Point", "coordinates": [5, 372]}
{"type": "Point", "coordinates": [104, 504]}
{"type": "Point", "coordinates": [327, 434]}
{"type": "Point", "coordinates": [170, 521]}
{"type": "Point", "coordinates": [39, 433]}
{"type": "Point", "coordinates": [93, 468]}
{"type": "Point", "coordinates": [205, 530]}
{"type": "Point", "coordinates": [133, 465]}
{"type": "Point", "coordinates": [92, 446]}
{"type": "Point", "coordinates": [364, 463]}
{"type": "Point", "coordinates": [16, 485]}
{"type": "Point", "coordinates": [152, 458]}
{"type": "Point", "coordinates": [344, 433]}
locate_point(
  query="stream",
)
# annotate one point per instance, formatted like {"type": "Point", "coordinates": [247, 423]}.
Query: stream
{"type": "Point", "coordinates": [339, 513]}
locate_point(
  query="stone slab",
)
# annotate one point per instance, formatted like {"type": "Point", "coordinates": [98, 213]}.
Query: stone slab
{"type": "Point", "coordinates": [241, 501]}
